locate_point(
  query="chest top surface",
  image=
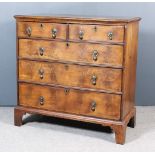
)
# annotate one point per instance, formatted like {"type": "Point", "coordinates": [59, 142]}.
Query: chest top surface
{"type": "Point", "coordinates": [73, 18]}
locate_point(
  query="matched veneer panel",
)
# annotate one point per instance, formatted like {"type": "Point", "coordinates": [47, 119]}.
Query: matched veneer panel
{"type": "Point", "coordinates": [96, 33]}
{"type": "Point", "coordinates": [71, 75]}
{"type": "Point", "coordinates": [70, 101]}
{"type": "Point", "coordinates": [42, 30]}
{"type": "Point", "coordinates": [111, 55]}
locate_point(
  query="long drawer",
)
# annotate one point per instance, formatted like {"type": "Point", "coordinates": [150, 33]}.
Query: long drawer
{"type": "Point", "coordinates": [71, 75]}
{"type": "Point", "coordinates": [77, 52]}
{"type": "Point", "coordinates": [70, 101]}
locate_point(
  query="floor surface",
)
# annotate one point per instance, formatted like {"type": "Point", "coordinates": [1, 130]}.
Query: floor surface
{"type": "Point", "coordinates": [40, 133]}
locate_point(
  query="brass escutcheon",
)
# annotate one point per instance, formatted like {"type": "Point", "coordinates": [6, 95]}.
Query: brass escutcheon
{"type": "Point", "coordinates": [66, 90]}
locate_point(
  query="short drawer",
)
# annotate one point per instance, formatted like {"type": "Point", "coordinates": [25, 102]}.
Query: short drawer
{"type": "Point", "coordinates": [70, 101]}
{"type": "Point", "coordinates": [71, 75]}
{"type": "Point", "coordinates": [42, 30]}
{"type": "Point", "coordinates": [111, 55]}
{"type": "Point", "coordinates": [96, 33]}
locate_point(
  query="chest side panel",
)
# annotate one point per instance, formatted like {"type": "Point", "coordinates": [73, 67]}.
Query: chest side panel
{"type": "Point", "coordinates": [130, 62]}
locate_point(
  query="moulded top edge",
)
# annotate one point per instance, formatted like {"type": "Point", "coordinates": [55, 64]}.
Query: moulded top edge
{"type": "Point", "coordinates": [77, 18]}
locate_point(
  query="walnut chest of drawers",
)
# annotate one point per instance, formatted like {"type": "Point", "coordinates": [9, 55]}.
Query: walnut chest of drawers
{"type": "Point", "coordinates": [78, 68]}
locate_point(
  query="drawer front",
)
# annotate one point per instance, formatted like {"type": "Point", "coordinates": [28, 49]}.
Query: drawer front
{"type": "Point", "coordinates": [70, 101]}
{"type": "Point", "coordinates": [71, 75]}
{"type": "Point", "coordinates": [76, 52]}
{"type": "Point", "coordinates": [42, 30]}
{"type": "Point", "coordinates": [101, 105]}
{"type": "Point", "coordinates": [96, 33]}
{"type": "Point", "coordinates": [48, 98]}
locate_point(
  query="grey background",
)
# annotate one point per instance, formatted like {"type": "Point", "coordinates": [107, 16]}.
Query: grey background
{"type": "Point", "coordinates": [145, 88]}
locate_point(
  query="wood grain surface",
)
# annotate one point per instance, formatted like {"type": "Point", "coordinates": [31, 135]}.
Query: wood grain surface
{"type": "Point", "coordinates": [86, 72]}
{"type": "Point", "coordinates": [73, 101]}
{"type": "Point", "coordinates": [42, 31]}
{"type": "Point", "coordinates": [71, 75]}
{"type": "Point", "coordinates": [68, 51]}
{"type": "Point", "coordinates": [96, 33]}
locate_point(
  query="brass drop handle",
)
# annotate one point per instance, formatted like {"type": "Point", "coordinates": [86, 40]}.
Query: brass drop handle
{"type": "Point", "coordinates": [95, 54]}
{"type": "Point", "coordinates": [54, 33]}
{"type": "Point", "coordinates": [41, 50]}
{"type": "Point", "coordinates": [81, 34]}
{"type": "Point", "coordinates": [41, 100]}
{"type": "Point", "coordinates": [28, 31]}
{"type": "Point", "coordinates": [110, 35]}
{"type": "Point", "coordinates": [93, 106]}
{"type": "Point", "coordinates": [93, 79]}
{"type": "Point", "coordinates": [41, 73]}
